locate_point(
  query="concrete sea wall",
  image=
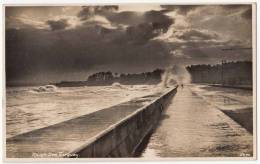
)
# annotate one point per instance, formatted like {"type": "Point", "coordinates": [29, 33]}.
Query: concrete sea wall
{"type": "Point", "coordinates": [123, 138]}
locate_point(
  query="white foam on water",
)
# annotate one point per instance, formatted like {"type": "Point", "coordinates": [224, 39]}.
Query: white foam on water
{"type": "Point", "coordinates": [30, 108]}
{"type": "Point", "coordinates": [45, 88]}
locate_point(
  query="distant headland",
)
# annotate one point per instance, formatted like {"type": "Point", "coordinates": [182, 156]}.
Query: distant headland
{"type": "Point", "coordinates": [226, 73]}
{"type": "Point", "coordinates": [108, 78]}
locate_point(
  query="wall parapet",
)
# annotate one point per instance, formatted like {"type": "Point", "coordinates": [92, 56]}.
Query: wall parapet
{"type": "Point", "coordinates": [123, 138]}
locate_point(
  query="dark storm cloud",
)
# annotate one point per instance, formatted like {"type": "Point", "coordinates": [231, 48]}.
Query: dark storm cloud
{"type": "Point", "coordinates": [102, 38]}
{"type": "Point", "coordinates": [10, 23]}
{"type": "Point", "coordinates": [196, 53]}
{"type": "Point", "coordinates": [158, 20]}
{"type": "Point", "coordinates": [130, 18]}
{"type": "Point", "coordinates": [140, 33]}
{"type": "Point", "coordinates": [92, 45]}
{"type": "Point", "coordinates": [245, 9]}
{"type": "Point", "coordinates": [234, 6]}
{"type": "Point", "coordinates": [181, 9]}
{"type": "Point", "coordinates": [154, 23]}
{"type": "Point", "coordinates": [247, 14]}
{"type": "Point", "coordinates": [203, 46]}
{"type": "Point", "coordinates": [34, 52]}
{"type": "Point", "coordinates": [194, 34]}
{"type": "Point", "coordinates": [89, 11]}
{"type": "Point", "coordinates": [126, 18]}
{"type": "Point", "coordinates": [57, 24]}
{"type": "Point", "coordinates": [141, 27]}
{"type": "Point", "coordinates": [223, 19]}
{"type": "Point", "coordinates": [33, 16]}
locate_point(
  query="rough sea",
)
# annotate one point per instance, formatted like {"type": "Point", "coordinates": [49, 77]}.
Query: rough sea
{"type": "Point", "coordinates": [30, 108]}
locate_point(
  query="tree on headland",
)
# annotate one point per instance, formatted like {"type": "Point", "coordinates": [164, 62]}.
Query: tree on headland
{"type": "Point", "coordinates": [101, 76]}
{"type": "Point", "coordinates": [144, 77]}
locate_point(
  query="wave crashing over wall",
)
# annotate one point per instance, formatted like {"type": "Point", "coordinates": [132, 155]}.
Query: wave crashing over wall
{"type": "Point", "coordinates": [175, 75]}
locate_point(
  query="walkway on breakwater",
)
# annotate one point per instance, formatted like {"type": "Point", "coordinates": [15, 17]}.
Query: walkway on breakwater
{"type": "Point", "coordinates": [192, 127]}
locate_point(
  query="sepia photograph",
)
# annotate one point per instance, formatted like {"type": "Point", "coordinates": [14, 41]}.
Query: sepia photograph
{"type": "Point", "coordinates": [129, 81]}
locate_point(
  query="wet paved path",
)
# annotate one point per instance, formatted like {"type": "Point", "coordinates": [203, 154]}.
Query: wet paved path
{"type": "Point", "coordinates": [191, 127]}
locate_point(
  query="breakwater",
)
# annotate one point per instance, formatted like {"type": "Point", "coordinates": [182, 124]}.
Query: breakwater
{"type": "Point", "coordinates": [123, 138]}
{"type": "Point", "coordinates": [113, 132]}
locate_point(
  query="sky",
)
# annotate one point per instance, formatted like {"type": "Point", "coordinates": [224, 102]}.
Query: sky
{"type": "Point", "coordinates": [59, 43]}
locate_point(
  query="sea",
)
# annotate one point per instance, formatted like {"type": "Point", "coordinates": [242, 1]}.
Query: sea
{"type": "Point", "coordinates": [33, 107]}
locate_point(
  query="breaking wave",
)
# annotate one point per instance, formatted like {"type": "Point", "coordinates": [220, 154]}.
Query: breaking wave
{"type": "Point", "coordinates": [118, 85]}
{"type": "Point", "coordinates": [45, 88]}
{"type": "Point", "coordinates": [175, 75]}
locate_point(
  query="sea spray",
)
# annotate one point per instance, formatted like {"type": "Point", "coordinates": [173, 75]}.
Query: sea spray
{"type": "Point", "coordinates": [175, 75]}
